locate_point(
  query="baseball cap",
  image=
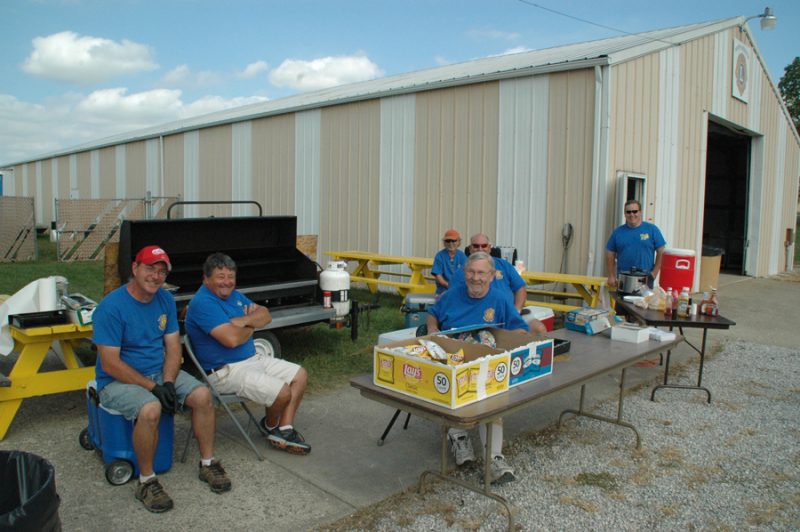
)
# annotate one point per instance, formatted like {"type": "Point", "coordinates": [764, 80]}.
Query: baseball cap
{"type": "Point", "coordinates": [452, 234]}
{"type": "Point", "coordinates": [153, 254]}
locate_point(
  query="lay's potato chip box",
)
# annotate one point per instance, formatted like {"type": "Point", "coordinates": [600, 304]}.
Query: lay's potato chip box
{"type": "Point", "coordinates": [483, 372]}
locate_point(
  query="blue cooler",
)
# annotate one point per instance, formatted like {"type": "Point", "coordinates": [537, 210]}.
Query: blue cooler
{"type": "Point", "coordinates": [111, 435]}
{"type": "Point", "coordinates": [415, 307]}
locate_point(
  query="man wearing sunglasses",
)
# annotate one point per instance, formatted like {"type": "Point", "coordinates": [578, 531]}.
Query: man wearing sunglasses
{"type": "Point", "coordinates": [448, 260]}
{"type": "Point", "coordinates": [634, 244]}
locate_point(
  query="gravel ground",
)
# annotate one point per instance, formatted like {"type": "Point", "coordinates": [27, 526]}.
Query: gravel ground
{"type": "Point", "coordinates": [730, 465]}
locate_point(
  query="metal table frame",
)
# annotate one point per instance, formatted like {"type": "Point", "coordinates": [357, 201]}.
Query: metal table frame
{"type": "Point", "coordinates": [588, 358]}
{"type": "Point", "coordinates": [656, 318]}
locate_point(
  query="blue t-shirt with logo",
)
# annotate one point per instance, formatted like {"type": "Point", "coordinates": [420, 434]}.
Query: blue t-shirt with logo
{"type": "Point", "coordinates": [456, 309]}
{"type": "Point", "coordinates": [447, 266]}
{"type": "Point", "coordinates": [635, 246]}
{"type": "Point", "coordinates": [206, 312]}
{"type": "Point", "coordinates": [137, 328]}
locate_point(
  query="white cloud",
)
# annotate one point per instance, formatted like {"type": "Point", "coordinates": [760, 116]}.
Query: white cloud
{"type": "Point", "coordinates": [515, 50]}
{"type": "Point", "coordinates": [67, 56]}
{"type": "Point", "coordinates": [324, 72]}
{"type": "Point", "coordinates": [182, 76]}
{"type": "Point", "coordinates": [253, 69]}
{"type": "Point", "coordinates": [480, 35]}
{"type": "Point", "coordinates": [68, 120]}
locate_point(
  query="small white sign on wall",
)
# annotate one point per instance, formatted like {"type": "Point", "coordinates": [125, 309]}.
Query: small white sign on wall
{"type": "Point", "coordinates": [740, 74]}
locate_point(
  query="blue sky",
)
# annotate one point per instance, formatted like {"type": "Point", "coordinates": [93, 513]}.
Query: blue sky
{"type": "Point", "coordinates": [74, 71]}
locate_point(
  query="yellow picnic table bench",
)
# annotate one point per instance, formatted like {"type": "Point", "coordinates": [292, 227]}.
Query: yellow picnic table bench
{"type": "Point", "coordinates": [370, 269]}
{"type": "Point", "coordinates": [32, 344]}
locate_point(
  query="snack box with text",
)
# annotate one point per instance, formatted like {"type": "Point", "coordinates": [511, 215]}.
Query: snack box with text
{"type": "Point", "coordinates": [587, 320]}
{"type": "Point", "coordinates": [483, 373]}
{"type": "Point", "coordinates": [530, 356]}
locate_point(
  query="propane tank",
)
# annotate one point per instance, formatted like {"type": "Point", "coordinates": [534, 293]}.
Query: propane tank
{"type": "Point", "coordinates": [334, 282]}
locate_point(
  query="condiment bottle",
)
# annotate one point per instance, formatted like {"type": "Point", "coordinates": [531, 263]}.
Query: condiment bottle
{"type": "Point", "coordinates": [668, 303]}
{"type": "Point", "coordinates": [683, 303]}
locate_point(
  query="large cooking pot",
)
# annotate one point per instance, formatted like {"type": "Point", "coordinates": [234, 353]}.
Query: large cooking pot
{"type": "Point", "coordinates": [632, 282]}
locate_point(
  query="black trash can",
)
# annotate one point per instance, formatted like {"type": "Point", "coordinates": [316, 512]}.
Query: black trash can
{"type": "Point", "coordinates": [28, 498]}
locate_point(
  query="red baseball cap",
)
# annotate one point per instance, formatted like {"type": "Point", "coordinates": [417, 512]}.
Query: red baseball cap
{"type": "Point", "coordinates": [151, 255]}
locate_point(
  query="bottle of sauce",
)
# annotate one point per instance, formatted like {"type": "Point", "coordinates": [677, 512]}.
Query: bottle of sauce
{"type": "Point", "coordinates": [683, 303]}
{"type": "Point", "coordinates": [709, 306]}
{"type": "Point", "coordinates": [668, 304]}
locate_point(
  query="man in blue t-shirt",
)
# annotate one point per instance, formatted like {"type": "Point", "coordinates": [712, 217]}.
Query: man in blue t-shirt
{"type": "Point", "coordinates": [220, 323]}
{"type": "Point", "coordinates": [477, 302]}
{"type": "Point", "coordinates": [138, 372]}
{"type": "Point", "coordinates": [634, 244]}
{"type": "Point", "coordinates": [506, 279]}
{"type": "Point", "coordinates": [448, 260]}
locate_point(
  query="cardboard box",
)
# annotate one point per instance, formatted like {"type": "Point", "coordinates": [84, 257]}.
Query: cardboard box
{"type": "Point", "coordinates": [627, 332]}
{"type": "Point", "coordinates": [530, 357]}
{"type": "Point", "coordinates": [442, 384]}
{"type": "Point", "coordinates": [587, 320]}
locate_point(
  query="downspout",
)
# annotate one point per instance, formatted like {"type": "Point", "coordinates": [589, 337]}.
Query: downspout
{"type": "Point", "coordinates": [594, 265]}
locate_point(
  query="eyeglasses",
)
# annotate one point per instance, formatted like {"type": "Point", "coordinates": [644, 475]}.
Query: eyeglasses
{"type": "Point", "coordinates": [632, 212]}
{"type": "Point", "coordinates": [449, 241]}
{"type": "Point", "coordinates": [151, 270]}
{"type": "Point", "coordinates": [480, 246]}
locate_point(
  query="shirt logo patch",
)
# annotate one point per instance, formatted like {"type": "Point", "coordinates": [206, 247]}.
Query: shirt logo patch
{"type": "Point", "coordinates": [644, 236]}
{"type": "Point", "coordinates": [162, 322]}
{"type": "Point", "coordinates": [498, 275]}
{"type": "Point", "coordinates": [488, 315]}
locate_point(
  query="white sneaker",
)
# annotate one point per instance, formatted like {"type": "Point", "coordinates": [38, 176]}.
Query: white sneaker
{"type": "Point", "coordinates": [501, 471]}
{"type": "Point", "coordinates": [462, 449]}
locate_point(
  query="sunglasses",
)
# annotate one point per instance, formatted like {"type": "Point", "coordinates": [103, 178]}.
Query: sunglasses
{"type": "Point", "coordinates": [450, 241]}
{"type": "Point", "coordinates": [632, 212]}
{"type": "Point", "coordinates": [480, 246]}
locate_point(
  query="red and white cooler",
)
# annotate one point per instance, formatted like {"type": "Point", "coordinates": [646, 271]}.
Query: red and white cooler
{"type": "Point", "coordinates": [543, 314]}
{"type": "Point", "coordinates": [677, 269]}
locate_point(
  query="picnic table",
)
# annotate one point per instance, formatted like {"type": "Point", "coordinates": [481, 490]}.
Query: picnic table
{"type": "Point", "coordinates": [32, 345]}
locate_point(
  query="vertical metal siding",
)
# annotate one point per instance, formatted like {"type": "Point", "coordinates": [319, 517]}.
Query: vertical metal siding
{"type": "Point", "coordinates": [522, 167]}
{"type": "Point", "coordinates": [63, 167]}
{"type": "Point", "coordinates": [307, 131]}
{"type": "Point", "coordinates": [396, 175]}
{"type": "Point", "coordinates": [722, 74]}
{"type": "Point", "coordinates": [666, 177]}
{"type": "Point", "coordinates": [26, 188]}
{"type": "Point", "coordinates": [94, 170]}
{"type": "Point", "coordinates": [74, 190]}
{"type": "Point", "coordinates": [214, 169]}
{"type": "Point", "coordinates": [757, 81]}
{"type": "Point", "coordinates": [456, 161]}
{"type": "Point", "coordinates": [241, 166]}
{"type": "Point", "coordinates": [135, 169]}
{"type": "Point", "coordinates": [775, 238]}
{"type": "Point", "coordinates": [273, 160]}
{"type": "Point", "coordinates": [39, 192]}
{"type": "Point", "coordinates": [84, 174]}
{"type": "Point", "coordinates": [191, 171]}
{"type": "Point", "coordinates": [570, 145]}
{"type": "Point", "coordinates": [153, 167]}
{"type": "Point", "coordinates": [119, 171]}
{"type": "Point", "coordinates": [349, 167]}
{"type": "Point", "coordinates": [174, 147]}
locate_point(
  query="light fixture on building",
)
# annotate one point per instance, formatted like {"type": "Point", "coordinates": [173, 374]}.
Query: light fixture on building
{"type": "Point", "coordinates": [768, 19]}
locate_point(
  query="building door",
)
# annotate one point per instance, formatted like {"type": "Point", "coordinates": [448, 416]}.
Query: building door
{"type": "Point", "coordinates": [725, 212]}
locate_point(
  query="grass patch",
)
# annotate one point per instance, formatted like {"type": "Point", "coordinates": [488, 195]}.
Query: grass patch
{"type": "Point", "coordinates": [604, 481]}
{"type": "Point", "coordinates": [329, 356]}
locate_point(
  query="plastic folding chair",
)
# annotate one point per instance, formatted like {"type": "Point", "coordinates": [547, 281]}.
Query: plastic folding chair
{"type": "Point", "coordinates": [224, 399]}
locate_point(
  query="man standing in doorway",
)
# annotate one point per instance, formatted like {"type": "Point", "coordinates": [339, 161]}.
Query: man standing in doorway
{"type": "Point", "coordinates": [634, 244]}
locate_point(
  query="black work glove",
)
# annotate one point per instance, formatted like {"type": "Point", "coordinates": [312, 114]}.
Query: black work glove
{"type": "Point", "coordinates": [165, 393]}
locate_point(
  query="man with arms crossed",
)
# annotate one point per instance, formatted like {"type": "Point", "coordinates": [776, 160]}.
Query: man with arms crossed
{"type": "Point", "coordinates": [220, 323]}
{"type": "Point", "coordinates": [138, 372]}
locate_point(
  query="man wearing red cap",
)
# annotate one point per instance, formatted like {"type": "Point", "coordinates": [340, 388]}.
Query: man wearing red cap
{"type": "Point", "coordinates": [138, 372]}
{"type": "Point", "coordinates": [448, 261]}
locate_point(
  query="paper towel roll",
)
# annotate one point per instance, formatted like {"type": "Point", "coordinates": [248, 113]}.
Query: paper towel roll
{"type": "Point", "coordinates": [48, 297]}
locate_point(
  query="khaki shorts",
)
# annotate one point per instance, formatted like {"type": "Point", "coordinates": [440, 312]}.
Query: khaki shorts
{"type": "Point", "coordinates": [259, 378]}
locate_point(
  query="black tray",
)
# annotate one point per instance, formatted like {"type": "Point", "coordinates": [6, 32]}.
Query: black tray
{"type": "Point", "coordinates": [560, 346]}
{"type": "Point", "coordinates": [38, 319]}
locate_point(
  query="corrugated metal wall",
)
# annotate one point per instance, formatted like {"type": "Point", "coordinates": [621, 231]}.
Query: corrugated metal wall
{"type": "Point", "coordinates": [273, 165]}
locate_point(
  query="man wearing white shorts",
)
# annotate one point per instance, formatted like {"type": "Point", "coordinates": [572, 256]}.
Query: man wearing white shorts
{"type": "Point", "coordinates": [220, 322]}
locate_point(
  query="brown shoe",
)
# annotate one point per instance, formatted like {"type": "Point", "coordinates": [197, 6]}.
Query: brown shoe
{"type": "Point", "coordinates": [216, 477]}
{"type": "Point", "coordinates": [153, 496]}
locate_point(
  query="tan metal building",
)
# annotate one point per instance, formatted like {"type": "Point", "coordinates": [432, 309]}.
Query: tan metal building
{"type": "Point", "coordinates": [516, 146]}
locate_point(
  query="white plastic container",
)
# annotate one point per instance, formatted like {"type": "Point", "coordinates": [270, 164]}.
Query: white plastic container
{"type": "Point", "coordinates": [334, 282]}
